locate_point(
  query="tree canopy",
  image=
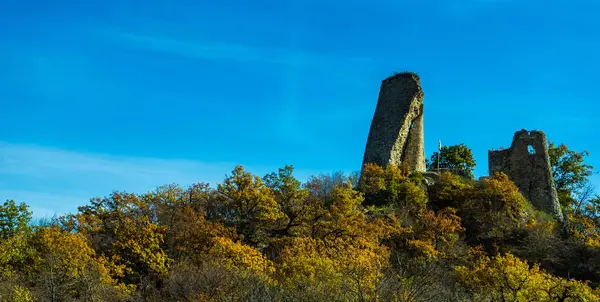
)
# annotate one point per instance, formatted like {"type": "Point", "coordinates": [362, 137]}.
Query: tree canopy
{"type": "Point", "coordinates": [571, 175]}
{"type": "Point", "coordinates": [457, 159]}
{"type": "Point", "coordinates": [392, 237]}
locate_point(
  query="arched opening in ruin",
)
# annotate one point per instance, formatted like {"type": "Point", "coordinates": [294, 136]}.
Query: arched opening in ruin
{"type": "Point", "coordinates": [531, 150]}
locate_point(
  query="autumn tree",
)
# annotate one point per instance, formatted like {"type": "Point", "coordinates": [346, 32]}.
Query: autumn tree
{"type": "Point", "coordinates": [343, 253]}
{"type": "Point", "coordinates": [583, 242]}
{"type": "Point", "coordinates": [120, 229]}
{"type": "Point", "coordinates": [508, 278]}
{"type": "Point", "coordinates": [457, 159]}
{"type": "Point", "coordinates": [236, 255]}
{"type": "Point", "coordinates": [389, 185]}
{"type": "Point", "coordinates": [68, 268]}
{"type": "Point", "coordinates": [345, 219]}
{"type": "Point", "coordinates": [420, 238]}
{"type": "Point", "coordinates": [322, 185]}
{"type": "Point", "coordinates": [395, 236]}
{"type": "Point", "coordinates": [315, 269]}
{"type": "Point", "coordinates": [251, 205]}
{"type": "Point", "coordinates": [15, 293]}
{"type": "Point", "coordinates": [492, 210]}
{"type": "Point", "coordinates": [189, 217]}
{"type": "Point", "coordinates": [214, 281]}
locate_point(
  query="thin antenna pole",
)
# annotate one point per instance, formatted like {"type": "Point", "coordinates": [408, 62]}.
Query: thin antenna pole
{"type": "Point", "coordinates": [439, 153]}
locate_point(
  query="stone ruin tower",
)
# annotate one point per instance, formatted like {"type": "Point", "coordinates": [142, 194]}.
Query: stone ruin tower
{"type": "Point", "coordinates": [527, 164]}
{"type": "Point", "coordinates": [396, 135]}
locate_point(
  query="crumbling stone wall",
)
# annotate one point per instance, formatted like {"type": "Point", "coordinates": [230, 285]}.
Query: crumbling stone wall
{"type": "Point", "coordinates": [396, 135]}
{"type": "Point", "coordinates": [527, 164]}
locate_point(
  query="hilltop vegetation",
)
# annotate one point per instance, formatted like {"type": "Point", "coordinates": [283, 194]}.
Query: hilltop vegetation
{"type": "Point", "coordinates": [392, 237]}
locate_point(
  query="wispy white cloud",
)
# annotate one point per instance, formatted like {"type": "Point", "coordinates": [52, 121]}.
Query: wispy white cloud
{"type": "Point", "coordinates": [42, 162]}
{"type": "Point", "coordinates": [214, 50]}
{"type": "Point", "coordinates": [57, 181]}
{"type": "Point", "coordinates": [294, 63]}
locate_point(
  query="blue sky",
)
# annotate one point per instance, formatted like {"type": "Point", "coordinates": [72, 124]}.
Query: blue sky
{"type": "Point", "coordinates": [127, 95]}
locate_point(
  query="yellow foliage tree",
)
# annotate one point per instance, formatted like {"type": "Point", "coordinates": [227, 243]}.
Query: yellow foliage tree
{"type": "Point", "coordinates": [16, 293]}
{"type": "Point", "coordinates": [252, 206]}
{"type": "Point", "coordinates": [69, 266]}
{"type": "Point", "coordinates": [139, 246]}
{"type": "Point", "coordinates": [16, 255]}
{"type": "Point", "coordinates": [237, 255]}
{"type": "Point", "coordinates": [193, 235]}
{"type": "Point", "coordinates": [347, 270]}
{"type": "Point", "coordinates": [508, 278]}
{"type": "Point", "coordinates": [492, 210]}
{"type": "Point", "coordinates": [120, 229]}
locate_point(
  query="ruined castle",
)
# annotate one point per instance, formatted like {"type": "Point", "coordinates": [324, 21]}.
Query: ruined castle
{"type": "Point", "coordinates": [527, 164]}
{"type": "Point", "coordinates": [397, 137]}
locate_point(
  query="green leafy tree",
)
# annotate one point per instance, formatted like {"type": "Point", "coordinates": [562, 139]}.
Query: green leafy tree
{"type": "Point", "coordinates": [581, 207]}
{"type": "Point", "coordinates": [458, 159]}
{"type": "Point", "coordinates": [571, 175]}
{"type": "Point", "coordinates": [293, 201]}
{"type": "Point", "coordinates": [16, 251]}
{"type": "Point", "coordinates": [14, 218]}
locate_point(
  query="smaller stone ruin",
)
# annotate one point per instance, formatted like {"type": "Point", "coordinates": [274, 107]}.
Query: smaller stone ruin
{"type": "Point", "coordinates": [396, 135]}
{"type": "Point", "coordinates": [527, 164]}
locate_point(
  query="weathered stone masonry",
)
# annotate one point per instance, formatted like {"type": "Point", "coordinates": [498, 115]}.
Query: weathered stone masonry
{"type": "Point", "coordinates": [527, 164]}
{"type": "Point", "coordinates": [396, 135]}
